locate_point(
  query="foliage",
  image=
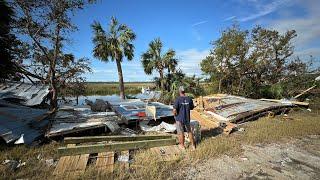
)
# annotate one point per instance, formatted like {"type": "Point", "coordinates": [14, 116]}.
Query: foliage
{"type": "Point", "coordinates": [177, 79]}
{"type": "Point", "coordinates": [114, 44]}
{"type": "Point", "coordinates": [45, 26]}
{"type": "Point", "coordinates": [96, 88]}
{"type": "Point", "coordinates": [154, 59]}
{"type": "Point", "coordinates": [255, 64]}
{"type": "Point", "coordinates": [11, 48]}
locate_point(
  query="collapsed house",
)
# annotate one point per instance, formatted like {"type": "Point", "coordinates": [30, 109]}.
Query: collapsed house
{"type": "Point", "coordinates": [19, 123]}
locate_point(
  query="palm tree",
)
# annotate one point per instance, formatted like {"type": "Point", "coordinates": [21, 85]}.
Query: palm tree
{"type": "Point", "coordinates": [114, 45]}
{"type": "Point", "coordinates": [153, 59]}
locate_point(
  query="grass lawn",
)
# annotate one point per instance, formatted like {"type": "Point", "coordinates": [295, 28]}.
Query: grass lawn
{"type": "Point", "coordinates": [265, 130]}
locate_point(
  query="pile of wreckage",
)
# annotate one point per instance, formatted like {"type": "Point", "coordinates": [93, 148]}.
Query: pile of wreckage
{"type": "Point", "coordinates": [110, 129]}
{"type": "Point", "coordinates": [228, 110]}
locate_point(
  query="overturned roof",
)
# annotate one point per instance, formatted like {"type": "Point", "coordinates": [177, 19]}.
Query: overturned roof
{"type": "Point", "coordinates": [78, 119]}
{"type": "Point", "coordinates": [20, 122]}
{"type": "Point", "coordinates": [238, 109]}
{"type": "Point", "coordinates": [26, 93]}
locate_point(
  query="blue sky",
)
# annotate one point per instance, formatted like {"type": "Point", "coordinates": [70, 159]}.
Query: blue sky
{"type": "Point", "coordinates": [188, 26]}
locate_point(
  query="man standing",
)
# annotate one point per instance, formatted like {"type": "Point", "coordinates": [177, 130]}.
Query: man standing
{"type": "Point", "coordinates": [181, 111]}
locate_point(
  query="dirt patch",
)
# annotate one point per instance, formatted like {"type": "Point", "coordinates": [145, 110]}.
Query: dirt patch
{"type": "Point", "coordinates": [297, 159]}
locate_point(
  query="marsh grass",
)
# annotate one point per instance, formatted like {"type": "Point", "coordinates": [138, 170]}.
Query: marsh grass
{"type": "Point", "coordinates": [113, 88]}
{"type": "Point", "coordinates": [299, 123]}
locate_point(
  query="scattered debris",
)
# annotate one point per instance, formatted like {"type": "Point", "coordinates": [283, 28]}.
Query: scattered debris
{"type": "Point", "coordinates": [70, 120]}
{"type": "Point", "coordinates": [21, 124]}
{"type": "Point", "coordinates": [147, 94]}
{"type": "Point", "coordinates": [13, 164]}
{"type": "Point", "coordinates": [162, 127]}
{"type": "Point", "coordinates": [98, 106]}
{"type": "Point", "coordinates": [236, 109]}
{"type": "Point", "coordinates": [51, 162]}
{"type": "Point", "coordinates": [131, 111]}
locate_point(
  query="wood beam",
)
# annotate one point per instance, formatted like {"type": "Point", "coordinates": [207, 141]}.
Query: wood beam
{"type": "Point", "coordinates": [121, 146]}
{"type": "Point", "coordinates": [76, 140]}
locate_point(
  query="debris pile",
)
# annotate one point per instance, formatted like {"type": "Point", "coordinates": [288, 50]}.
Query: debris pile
{"type": "Point", "coordinates": [20, 122]}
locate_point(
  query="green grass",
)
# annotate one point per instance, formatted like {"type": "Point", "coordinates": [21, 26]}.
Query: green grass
{"type": "Point", "coordinates": [113, 88]}
{"type": "Point", "coordinates": [147, 166]}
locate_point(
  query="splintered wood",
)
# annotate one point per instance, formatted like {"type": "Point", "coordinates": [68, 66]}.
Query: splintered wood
{"type": "Point", "coordinates": [168, 153]}
{"type": "Point", "coordinates": [204, 122]}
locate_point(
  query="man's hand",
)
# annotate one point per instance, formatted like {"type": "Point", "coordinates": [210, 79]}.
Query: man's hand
{"type": "Point", "coordinates": [174, 112]}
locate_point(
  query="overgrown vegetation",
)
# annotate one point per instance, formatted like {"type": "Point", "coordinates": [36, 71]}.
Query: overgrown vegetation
{"type": "Point", "coordinates": [113, 88]}
{"type": "Point", "coordinates": [257, 63]}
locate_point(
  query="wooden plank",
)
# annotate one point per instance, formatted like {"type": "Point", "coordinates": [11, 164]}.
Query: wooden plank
{"type": "Point", "coordinates": [292, 102]}
{"type": "Point", "coordinates": [305, 91]}
{"type": "Point", "coordinates": [76, 140]}
{"type": "Point", "coordinates": [168, 153]}
{"type": "Point", "coordinates": [120, 146]}
{"type": "Point", "coordinates": [204, 122]}
{"type": "Point", "coordinates": [82, 164]}
{"type": "Point", "coordinates": [63, 164]}
{"type": "Point", "coordinates": [104, 163]}
{"type": "Point", "coordinates": [70, 171]}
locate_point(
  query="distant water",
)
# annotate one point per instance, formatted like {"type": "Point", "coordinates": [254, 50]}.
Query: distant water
{"type": "Point", "coordinates": [72, 100]}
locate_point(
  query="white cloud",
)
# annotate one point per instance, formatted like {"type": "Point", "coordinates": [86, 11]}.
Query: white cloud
{"type": "Point", "coordinates": [263, 9]}
{"type": "Point", "coordinates": [198, 23]}
{"type": "Point", "coordinates": [307, 28]}
{"type": "Point", "coordinates": [189, 60]}
{"type": "Point", "coordinates": [230, 18]}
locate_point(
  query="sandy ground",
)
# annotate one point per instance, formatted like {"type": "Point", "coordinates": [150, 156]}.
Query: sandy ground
{"type": "Point", "coordinates": [297, 159]}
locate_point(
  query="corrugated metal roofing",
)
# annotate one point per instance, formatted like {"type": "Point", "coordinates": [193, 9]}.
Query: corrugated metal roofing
{"type": "Point", "coordinates": [128, 109]}
{"type": "Point", "coordinates": [28, 94]}
{"type": "Point", "coordinates": [76, 119]}
{"type": "Point", "coordinates": [236, 108]}
{"type": "Point", "coordinates": [16, 121]}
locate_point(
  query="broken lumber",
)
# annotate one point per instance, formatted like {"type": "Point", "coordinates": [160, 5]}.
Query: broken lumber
{"type": "Point", "coordinates": [76, 140]}
{"type": "Point", "coordinates": [292, 102]}
{"type": "Point", "coordinates": [305, 91]}
{"type": "Point", "coordinates": [120, 146]}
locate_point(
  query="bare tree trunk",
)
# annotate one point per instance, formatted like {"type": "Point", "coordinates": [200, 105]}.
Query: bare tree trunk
{"type": "Point", "coordinates": [121, 84]}
{"type": "Point", "coordinates": [161, 79]}
{"type": "Point", "coordinates": [53, 83]}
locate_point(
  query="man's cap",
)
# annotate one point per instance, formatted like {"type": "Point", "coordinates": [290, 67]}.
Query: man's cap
{"type": "Point", "coordinates": [181, 89]}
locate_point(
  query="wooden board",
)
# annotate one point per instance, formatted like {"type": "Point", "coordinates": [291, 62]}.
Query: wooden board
{"type": "Point", "coordinates": [76, 140]}
{"type": "Point", "coordinates": [168, 153]}
{"type": "Point", "coordinates": [105, 162]}
{"type": "Point", "coordinates": [204, 122]}
{"type": "Point", "coordinates": [120, 146]}
{"type": "Point", "coordinates": [71, 166]}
